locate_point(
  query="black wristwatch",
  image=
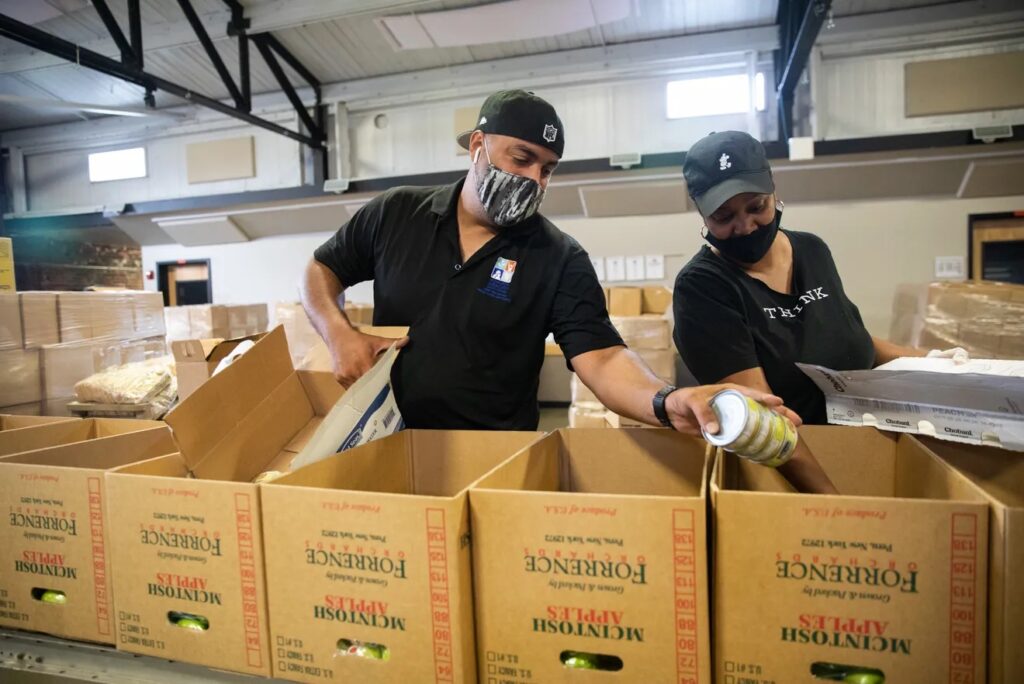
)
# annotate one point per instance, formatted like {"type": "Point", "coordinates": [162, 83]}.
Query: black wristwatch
{"type": "Point", "coordinates": [658, 403]}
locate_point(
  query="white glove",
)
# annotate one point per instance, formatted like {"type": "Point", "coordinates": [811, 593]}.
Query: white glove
{"type": "Point", "coordinates": [958, 354]}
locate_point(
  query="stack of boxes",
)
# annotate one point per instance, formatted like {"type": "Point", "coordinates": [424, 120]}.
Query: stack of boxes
{"type": "Point", "coordinates": [51, 340]}
{"type": "Point", "coordinates": [303, 339]}
{"type": "Point", "coordinates": [985, 318]}
{"type": "Point", "coordinates": [209, 321]}
{"type": "Point", "coordinates": [643, 318]}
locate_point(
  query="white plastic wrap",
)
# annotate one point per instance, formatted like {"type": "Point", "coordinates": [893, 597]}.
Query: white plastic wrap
{"type": "Point", "coordinates": [130, 383]}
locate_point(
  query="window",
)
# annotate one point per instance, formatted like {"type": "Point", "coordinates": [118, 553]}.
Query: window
{"type": "Point", "coordinates": [714, 95]}
{"type": "Point", "coordinates": [117, 165]}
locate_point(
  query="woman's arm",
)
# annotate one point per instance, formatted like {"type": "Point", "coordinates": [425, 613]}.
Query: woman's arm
{"type": "Point", "coordinates": [886, 351]}
{"type": "Point", "coordinates": [803, 470]}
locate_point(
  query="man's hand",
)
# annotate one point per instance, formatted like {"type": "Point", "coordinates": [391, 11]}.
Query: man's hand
{"type": "Point", "coordinates": [689, 408]}
{"type": "Point", "coordinates": [353, 353]}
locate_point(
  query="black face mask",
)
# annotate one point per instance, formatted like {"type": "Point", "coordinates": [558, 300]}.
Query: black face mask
{"type": "Point", "coordinates": [749, 249]}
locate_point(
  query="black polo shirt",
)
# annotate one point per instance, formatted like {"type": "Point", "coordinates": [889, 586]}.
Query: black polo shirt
{"type": "Point", "coordinates": [477, 329]}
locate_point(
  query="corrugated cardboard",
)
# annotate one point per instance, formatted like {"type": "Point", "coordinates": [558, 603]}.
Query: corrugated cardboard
{"type": "Point", "coordinates": [594, 541]}
{"type": "Point", "coordinates": [891, 575]}
{"type": "Point", "coordinates": [176, 321]}
{"type": "Point", "coordinates": [27, 433]}
{"type": "Point", "coordinates": [39, 318]}
{"type": "Point", "coordinates": [95, 316]}
{"type": "Point", "coordinates": [19, 377]}
{"type": "Point", "coordinates": [7, 265]}
{"type": "Point", "coordinates": [10, 422]}
{"type": "Point", "coordinates": [649, 331]}
{"type": "Point", "coordinates": [656, 300]}
{"type": "Point", "coordinates": [63, 365]}
{"type": "Point", "coordinates": [999, 474]}
{"type": "Point", "coordinates": [208, 321]}
{"type": "Point", "coordinates": [195, 360]}
{"type": "Point", "coordinates": [56, 527]}
{"type": "Point", "coordinates": [190, 538]}
{"type": "Point", "coordinates": [625, 301]}
{"type": "Point", "coordinates": [10, 321]}
{"type": "Point", "coordinates": [148, 314]}
{"type": "Point", "coordinates": [372, 545]}
{"type": "Point", "coordinates": [587, 416]}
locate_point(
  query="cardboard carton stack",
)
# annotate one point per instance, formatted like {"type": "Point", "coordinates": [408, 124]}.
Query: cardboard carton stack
{"type": "Point", "coordinates": [891, 576]}
{"type": "Point", "coordinates": [303, 339]}
{"type": "Point", "coordinates": [209, 321]}
{"type": "Point", "coordinates": [51, 340]}
{"type": "Point", "coordinates": [643, 318]}
{"type": "Point", "coordinates": [999, 477]}
{"type": "Point", "coordinates": [55, 532]}
{"type": "Point", "coordinates": [372, 547]}
{"type": "Point", "coordinates": [7, 266]}
{"type": "Point", "coordinates": [189, 540]}
{"type": "Point", "coordinates": [594, 542]}
{"type": "Point", "coordinates": [985, 318]}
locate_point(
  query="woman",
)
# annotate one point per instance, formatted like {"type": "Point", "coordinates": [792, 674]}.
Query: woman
{"type": "Point", "coordinates": [759, 299]}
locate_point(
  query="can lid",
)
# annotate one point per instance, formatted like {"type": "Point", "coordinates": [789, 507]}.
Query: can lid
{"type": "Point", "coordinates": [732, 411]}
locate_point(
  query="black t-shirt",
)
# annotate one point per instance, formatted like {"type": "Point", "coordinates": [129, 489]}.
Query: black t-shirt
{"type": "Point", "coordinates": [477, 329]}
{"type": "Point", "coordinates": [728, 321]}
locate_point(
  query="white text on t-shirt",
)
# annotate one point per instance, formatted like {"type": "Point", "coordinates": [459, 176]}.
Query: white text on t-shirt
{"type": "Point", "coordinates": [811, 295]}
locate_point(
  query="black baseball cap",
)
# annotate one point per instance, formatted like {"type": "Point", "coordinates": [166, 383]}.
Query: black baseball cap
{"type": "Point", "coordinates": [722, 165]}
{"type": "Point", "coordinates": [519, 114]}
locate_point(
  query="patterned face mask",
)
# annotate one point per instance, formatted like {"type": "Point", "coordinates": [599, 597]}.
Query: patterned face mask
{"type": "Point", "coordinates": [507, 198]}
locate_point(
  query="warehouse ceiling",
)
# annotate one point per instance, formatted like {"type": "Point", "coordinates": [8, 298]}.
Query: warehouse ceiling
{"type": "Point", "coordinates": [344, 40]}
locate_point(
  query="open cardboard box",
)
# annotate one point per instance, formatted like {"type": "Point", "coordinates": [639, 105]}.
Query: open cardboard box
{"type": "Point", "coordinates": [11, 421]}
{"type": "Point", "coordinates": [889, 576]}
{"type": "Point", "coordinates": [188, 539]}
{"type": "Point", "coordinates": [999, 474]}
{"type": "Point", "coordinates": [56, 528]}
{"type": "Point", "coordinates": [65, 431]}
{"type": "Point", "coordinates": [372, 545]}
{"type": "Point", "coordinates": [195, 360]}
{"type": "Point", "coordinates": [593, 541]}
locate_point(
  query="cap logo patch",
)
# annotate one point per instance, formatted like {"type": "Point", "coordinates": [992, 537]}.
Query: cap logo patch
{"type": "Point", "coordinates": [550, 133]}
{"type": "Point", "coordinates": [483, 120]}
{"type": "Point", "coordinates": [723, 162]}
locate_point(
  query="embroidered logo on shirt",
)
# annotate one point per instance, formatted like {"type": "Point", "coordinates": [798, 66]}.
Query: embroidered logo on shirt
{"type": "Point", "coordinates": [723, 162]}
{"type": "Point", "coordinates": [813, 295]}
{"type": "Point", "coordinates": [501, 279]}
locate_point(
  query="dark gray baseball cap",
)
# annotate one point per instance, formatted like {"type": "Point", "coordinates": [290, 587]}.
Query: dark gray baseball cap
{"type": "Point", "coordinates": [722, 165]}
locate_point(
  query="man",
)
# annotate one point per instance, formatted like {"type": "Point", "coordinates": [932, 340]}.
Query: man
{"type": "Point", "coordinates": [481, 279]}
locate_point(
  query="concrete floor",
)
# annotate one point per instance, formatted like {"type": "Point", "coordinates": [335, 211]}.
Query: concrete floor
{"type": "Point", "coordinates": [553, 418]}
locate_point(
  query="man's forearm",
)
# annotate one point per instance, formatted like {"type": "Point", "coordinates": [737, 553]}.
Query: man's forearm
{"type": "Point", "coordinates": [621, 380]}
{"type": "Point", "coordinates": [322, 295]}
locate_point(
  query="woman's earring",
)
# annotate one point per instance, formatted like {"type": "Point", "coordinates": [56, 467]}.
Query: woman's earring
{"type": "Point", "coordinates": [704, 231]}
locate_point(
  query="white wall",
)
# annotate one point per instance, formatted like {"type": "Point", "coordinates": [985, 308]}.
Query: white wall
{"type": "Point", "coordinates": [57, 175]}
{"type": "Point", "coordinates": [265, 270]}
{"type": "Point", "coordinates": [877, 245]}
{"type": "Point", "coordinates": [863, 95]}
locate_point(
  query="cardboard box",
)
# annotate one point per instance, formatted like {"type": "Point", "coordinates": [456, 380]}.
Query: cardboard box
{"type": "Point", "coordinates": [208, 321]}
{"type": "Point", "coordinates": [56, 527]}
{"type": "Point", "coordinates": [372, 546]}
{"type": "Point", "coordinates": [195, 360]}
{"type": "Point", "coordinates": [587, 416]}
{"type": "Point", "coordinates": [662, 362]}
{"type": "Point", "coordinates": [176, 322]}
{"type": "Point", "coordinates": [39, 318]}
{"type": "Point", "coordinates": [10, 422]}
{"type": "Point", "coordinates": [148, 314]}
{"type": "Point", "coordinates": [999, 475]}
{"type": "Point", "coordinates": [625, 301]}
{"type": "Point", "coordinates": [20, 378]}
{"type": "Point", "coordinates": [10, 321]}
{"type": "Point", "coordinates": [614, 420]}
{"type": "Point", "coordinates": [890, 575]}
{"type": "Point", "coordinates": [644, 332]}
{"type": "Point", "coordinates": [594, 541]}
{"type": "Point", "coordinates": [318, 358]}
{"type": "Point", "coordinates": [656, 300]}
{"type": "Point", "coordinates": [189, 538]}
{"type": "Point", "coordinates": [7, 266]}
{"type": "Point", "coordinates": [74, 316]}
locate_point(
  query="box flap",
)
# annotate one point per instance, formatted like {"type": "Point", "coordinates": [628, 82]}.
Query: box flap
{"type": "Point", "coordinates": [103, 453]}
{"type": "Point", "coordinates": [970, 408]}
{"type": "Point", "coordinates": [999, 473]}
{"type": "Point", "coordinates": [190, 351]}
{"type": "Point", "coordinates": [445, 462]}
{"type": "Point", "coordinates": [218, 408]}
